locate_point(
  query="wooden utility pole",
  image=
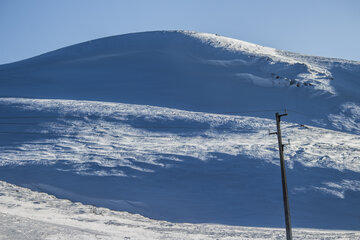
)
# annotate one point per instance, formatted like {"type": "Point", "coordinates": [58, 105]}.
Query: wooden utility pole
{"type": "Point", "coordinates": [283, 177]}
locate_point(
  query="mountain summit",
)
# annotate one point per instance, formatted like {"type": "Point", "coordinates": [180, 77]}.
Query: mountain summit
{"type": "Point", "coordinates": [190, 71]}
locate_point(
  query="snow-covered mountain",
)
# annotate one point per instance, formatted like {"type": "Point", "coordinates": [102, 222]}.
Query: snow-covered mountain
{"type": "Point", "coordinates": [190, 71]}
{"type": "Point", "coordinates": [174, 125]}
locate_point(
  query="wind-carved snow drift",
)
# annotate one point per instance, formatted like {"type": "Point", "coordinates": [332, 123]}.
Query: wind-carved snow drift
{"type": "Point", "coordinates": [174, 126]}
{"type": "Point", "coordinates": [105, 133]}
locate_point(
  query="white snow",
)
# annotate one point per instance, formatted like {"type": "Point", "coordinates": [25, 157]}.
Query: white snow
{"type": "Point", "coordinates": [173, 125]}
{"type": "Point", "coordinates": [25, 214]}
{"type": "Point", "coordinates": [127, 141]}
{"type": "Point", "coordinates": [81, 138]}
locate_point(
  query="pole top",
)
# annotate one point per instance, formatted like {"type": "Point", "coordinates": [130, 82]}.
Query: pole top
{"type": "Point", "coordinates": [281, 115]}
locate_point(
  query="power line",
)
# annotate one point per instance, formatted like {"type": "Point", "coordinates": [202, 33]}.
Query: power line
{"type": "Point", "coordinates": [137, 127]}
{"type": "Point", "coordinates": [145, 126]}
{"type": "Point", "coordinates": [27, 133]}
{"type": "Point", "coordinates": [55, 117]}
{"type": "Point", "coordinates": [134, 126]}
{"type": "Point", "coordinates": [192, 128]}
{"type": "Point", "coordinates": [17, 123]}
{"type": "Point", "coordinates": [150, 127]}
{"type": "Point", "coordinates": [297, 112]}
{"type": "Point", "coordinates": [253, 111]}
{"type": "Point", "coordinates": [209, 128]}
{"type": "Point", "coordinates": [31, 117]}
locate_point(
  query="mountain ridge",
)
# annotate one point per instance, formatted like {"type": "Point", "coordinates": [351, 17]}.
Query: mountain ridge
{"type": "Point", "coordinates": [190, 32]}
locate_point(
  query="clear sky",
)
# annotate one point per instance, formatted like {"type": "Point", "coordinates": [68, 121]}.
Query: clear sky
{"type": "Point", "coordinates": [328, 28]}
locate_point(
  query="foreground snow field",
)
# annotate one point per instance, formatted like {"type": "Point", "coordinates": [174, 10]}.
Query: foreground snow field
{"type": "Point", "coordinates": [174, 126]}
{"type": "Point", "coordinates": [25, 214]}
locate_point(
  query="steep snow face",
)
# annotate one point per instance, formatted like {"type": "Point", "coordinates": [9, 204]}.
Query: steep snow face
{"type": "Point", "coordinates": [190, 71]}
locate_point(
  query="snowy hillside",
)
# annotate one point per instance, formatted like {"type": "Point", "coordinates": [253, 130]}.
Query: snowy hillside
{"type": "Point", "coordinates": [25, 214]}
{"type": "Point", "coordinates": [191, 71]}
{"type": "Point", "coordinates": [174, 126]}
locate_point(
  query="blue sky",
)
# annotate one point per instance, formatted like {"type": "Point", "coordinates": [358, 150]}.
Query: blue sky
{"type": "Point", "coordinates": [316, 27]}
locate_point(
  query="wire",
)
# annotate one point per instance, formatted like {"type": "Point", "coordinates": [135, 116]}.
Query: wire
{"type": "Point", "coordinates": [209, 128]}
{"type": "Point", "coordinates": [120, 136]}
{"type": "Point", "coordinates": [148, 127]}
{"type": "Point", "coordinates": [297, 112]}
{"type": "Point", "coordinates": [55, 117]}
{"type": "Point", "coordinates": [30, 133]}
{"type": "Point", "coordinates": [193, 128]}
{"type": "Point", "coordinates": [134, 126]}
{"type": "Point", "coordinates": [255, 111]}
{"type": "Point", "coordinates": [142, 127]}
{"type": "Point", "coordinates": [31, 117]}
{"type": "Point", "coordinates": [13, 123]}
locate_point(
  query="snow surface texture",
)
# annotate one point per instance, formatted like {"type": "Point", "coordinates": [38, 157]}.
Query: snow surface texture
{"type": "Point", "coordinates": [113, 134]}
{"type": "Point", "coordinates": [146, 160]}
{"type": "Point", "coordinates": [25, 214]}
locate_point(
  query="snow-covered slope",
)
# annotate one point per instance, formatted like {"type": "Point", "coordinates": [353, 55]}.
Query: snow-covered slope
{"type": "Point", "coordinates": [190, 71]}
{"type": "Point", "coordinates": [25, 214]}
{"type": "Point", "coordinates": [174, 126]}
